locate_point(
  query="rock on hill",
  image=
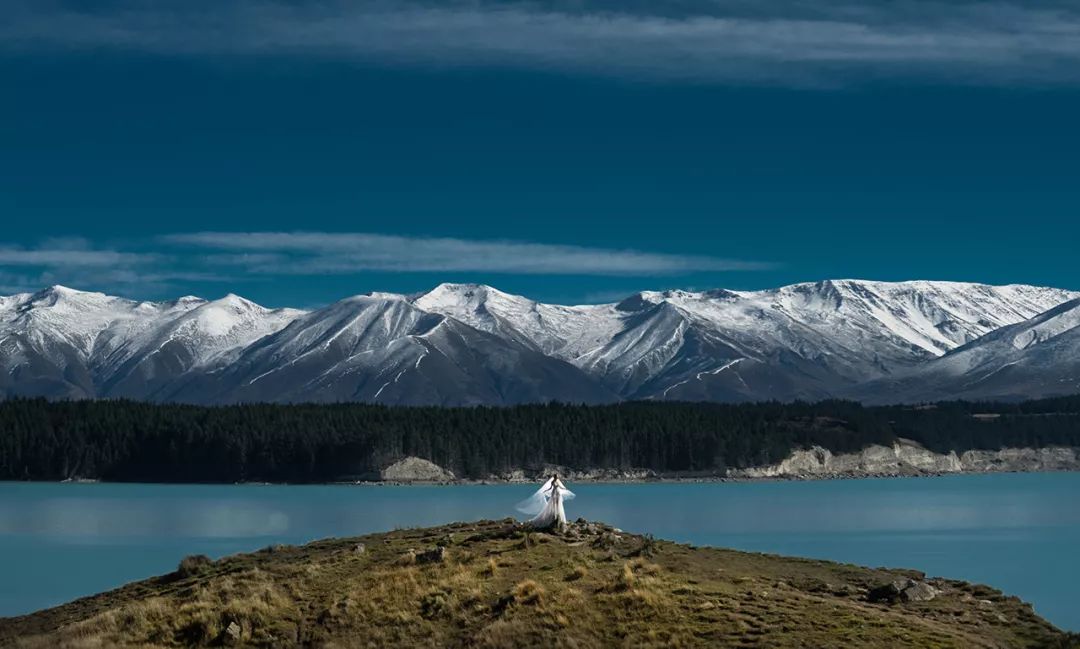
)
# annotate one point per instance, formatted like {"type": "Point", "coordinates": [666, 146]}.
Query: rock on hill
{"type": "Point", "coordinates": [491, 584]}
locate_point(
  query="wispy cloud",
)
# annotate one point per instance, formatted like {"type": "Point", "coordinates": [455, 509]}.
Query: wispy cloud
{"type": "Point", "coordinates": [78, 261]}
{"type": "Point", "coordinates": [316, 253]}
{"type": "Point", "coordinates": [63, 258]}
{"type": "Point", "coordinates": [787, 42]}
{"type": "Point", "coordinates": [173, 262]}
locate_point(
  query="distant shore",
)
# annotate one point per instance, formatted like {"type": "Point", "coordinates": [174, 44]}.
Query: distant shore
{"type": "Point", "coordinates": [680, 479]}
{"type": "Point", "coordinates": [1061, 460]}
{"type": "Point", "coordinates": [904, 459]}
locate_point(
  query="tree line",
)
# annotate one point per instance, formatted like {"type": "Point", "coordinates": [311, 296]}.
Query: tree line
{"type": "Point", "coordinates": [143, 442]}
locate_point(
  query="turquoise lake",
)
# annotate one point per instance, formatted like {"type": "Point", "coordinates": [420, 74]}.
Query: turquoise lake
{"type": "Point", "coordinates": [1017, 532]}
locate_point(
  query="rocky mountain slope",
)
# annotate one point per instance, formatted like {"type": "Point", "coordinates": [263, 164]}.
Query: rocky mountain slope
{"type": "Point", "coordinates": [66, 343]}
{"type": "Point", "coordinates": [472, 344]}
{"type": "Point", "coordinates": [387, 350]}
{"type": "Point", "coordinates": [802, 341]}
{"type": "Point", "coordinates": [489, 584]}
{"type": "Point", "coordinates": [1037, 356]}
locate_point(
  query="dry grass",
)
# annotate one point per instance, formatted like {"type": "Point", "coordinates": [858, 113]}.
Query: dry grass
{"type": "Point", "coordinates": [491, 568]}
{"type": "Point", "coordinates": [528, 593]}
{"type": "Point", "coordinates": [250, 600]}
{"type": "Point", "coordinates": [492, 592]}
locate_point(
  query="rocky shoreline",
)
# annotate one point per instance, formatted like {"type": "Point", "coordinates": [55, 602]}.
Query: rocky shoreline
{"type": "Point", "coordinates": [905, 458]}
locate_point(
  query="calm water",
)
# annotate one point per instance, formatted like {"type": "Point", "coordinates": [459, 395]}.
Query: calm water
{"type": "Point", "coordinates": [1018, 532]}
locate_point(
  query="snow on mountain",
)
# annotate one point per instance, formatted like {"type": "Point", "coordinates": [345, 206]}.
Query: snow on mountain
{"type": "Point", "coordinates": [47, 338]}
{"type": "Point", "coordinates": [565, 332]}
{"type": "Point", "coordinates": [473, 344]}
{"type": "Point", "coordinates": [799, 341]}
{"type": "Point", "coordinates": [1037, 357]}
{"type": "Point", "coordinates": [385, 349]}
{"type": "Point", "coordinates": [202, 334]}
{"type": "Point", "coordinates": [62, 317]}
{"type": "Point", "coordinates": [808, 340]}
{"type": "Point", "coordinates": [63, 342]}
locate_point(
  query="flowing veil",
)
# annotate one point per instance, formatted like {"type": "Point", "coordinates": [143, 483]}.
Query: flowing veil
{"type": "Point", "coordinates": [539, 504]}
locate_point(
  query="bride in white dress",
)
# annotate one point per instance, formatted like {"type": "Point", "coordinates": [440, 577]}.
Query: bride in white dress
{"type": "Point", "coordinates": [546, 505]}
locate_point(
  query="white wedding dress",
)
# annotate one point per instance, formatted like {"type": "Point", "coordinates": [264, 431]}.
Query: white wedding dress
{"type": "Point", "coordinates": [546, 505]}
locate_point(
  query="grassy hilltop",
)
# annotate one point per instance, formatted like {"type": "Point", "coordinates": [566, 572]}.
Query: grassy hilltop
{"type": "Point", "coordinates": [489, 584]}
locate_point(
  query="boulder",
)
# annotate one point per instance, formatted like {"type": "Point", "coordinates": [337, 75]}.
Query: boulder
{"type": "Point", "coordinates": [233, 633]}
{"type": "Point", "coordinates": [903, 589]}
{"type": "Point", "coordinates": [889, 592]}
{"type": "Point", "coordinates": [919, 591]}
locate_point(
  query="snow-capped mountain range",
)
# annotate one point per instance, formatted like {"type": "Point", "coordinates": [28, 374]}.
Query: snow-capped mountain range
{"type": "Point", "coordinates": [473, 344]}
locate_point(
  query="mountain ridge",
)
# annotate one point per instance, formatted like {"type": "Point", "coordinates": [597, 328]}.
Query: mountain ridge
{"type": "Point", "coordinates": [1040, 355]}
{"type": "Point", "coordinates": [472, 344]}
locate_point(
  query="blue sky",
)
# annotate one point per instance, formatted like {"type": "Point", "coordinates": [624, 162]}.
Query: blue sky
{"type": "Point", "coordinates": [298, 153]}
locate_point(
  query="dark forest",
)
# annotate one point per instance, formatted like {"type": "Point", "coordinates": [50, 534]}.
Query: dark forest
{"type": "Point", "coordinates": [143, 442]}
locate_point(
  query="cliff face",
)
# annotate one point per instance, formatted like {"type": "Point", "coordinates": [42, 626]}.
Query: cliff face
{"type": "Point", "coordinates": [1055, 458]}
{"type": "Point", "coordinates": [414, 469]}
{"type": "Point", "coordinates": [908, 458]}
{"type": "Point", "coordinates": [904, 458]}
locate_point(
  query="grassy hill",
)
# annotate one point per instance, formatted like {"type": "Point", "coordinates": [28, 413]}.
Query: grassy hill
{"type": "Point", "coordinates": [490, 584]}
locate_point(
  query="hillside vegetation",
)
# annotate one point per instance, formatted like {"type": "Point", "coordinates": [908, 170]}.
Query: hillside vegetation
{"type": "Point", "coordinates": [491, 584]}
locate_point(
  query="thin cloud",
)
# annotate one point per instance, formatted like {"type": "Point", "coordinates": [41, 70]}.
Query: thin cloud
{"type": "Point", "coordinates": [318, 253]}
{"type": "Point", "coordinates": [77, 261]}
{"type": "Point", "coordinates": [722, 41]}
{"type": "Point", "coordinates": [70, 258]}
{"type": "Point", "coordinates": [69, 252]}
{"type": "Point", "coordinates": [167, 263]}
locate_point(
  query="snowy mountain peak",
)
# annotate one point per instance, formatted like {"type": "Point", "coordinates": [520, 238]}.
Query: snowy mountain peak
{"type": "Point", "coordinates": [212, 328]}
{"type": "Point", "coordinates": [722, 294]}
{"type": "Point", "coordinates": [235, 303]}
{"type": "Point", "coordinates": [478, 305]}
{"type": "Point", "coordinates": [671, 294]}
{"type": "Point", "coordinates": [646, 299]}
{"type": "Point", "coordinates": [57, 293]}
{"type": "Point", "coordinates": [457, 287]}
{"type": "Point", "coordinates": [380, 295]}
{"type": "Point", "coordinates": [233, 298]}
{"type": "Point", "coordinates": [808, 340]}
{"type": "Point", "coordinates": [462, 295]}
{"type": "Point", "coordinates": [58, 289]}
